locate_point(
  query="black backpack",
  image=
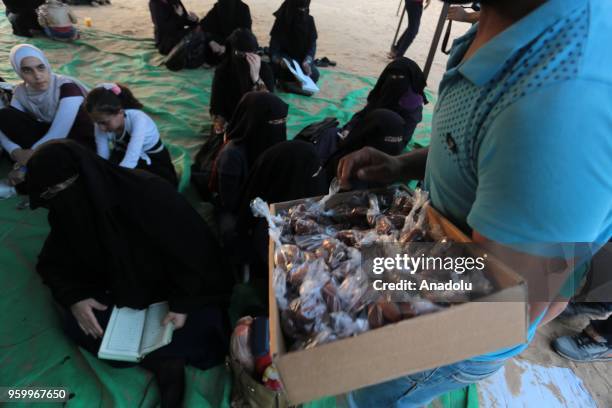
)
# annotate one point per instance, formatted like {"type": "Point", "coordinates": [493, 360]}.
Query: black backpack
{"type": "Point", "coordinates": [189, 53]}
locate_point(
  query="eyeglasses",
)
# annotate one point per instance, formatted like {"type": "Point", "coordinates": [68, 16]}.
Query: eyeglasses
{"type": "Point", "coordinates": [58, 188]}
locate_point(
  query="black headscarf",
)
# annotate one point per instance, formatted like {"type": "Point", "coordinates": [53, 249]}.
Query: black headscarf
{"type": "Point", "coordinates": [295, 28]}
{"type": "Point", "coordinates": [381, 129]}
{"type": "Point", "coordinates": [170, 25]}
{"type": "Point", "coordinates": [21, 6]}
{"type": "Point", "coordinates": [232, 79]}
{"type": "Point", "coordinates": [225, 17]}
{"type": "Point", "coordinates": [122, 230]}
{"type": "Point", "coordinates": [259, 122]}
{"type": "Point", "coordinates": [400, 78]}
{"type": "Point", "coordinates": [284, 172]}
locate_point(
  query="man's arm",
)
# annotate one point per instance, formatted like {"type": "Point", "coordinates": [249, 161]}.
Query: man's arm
{"type": "Point", "coordinates": [371, 165]}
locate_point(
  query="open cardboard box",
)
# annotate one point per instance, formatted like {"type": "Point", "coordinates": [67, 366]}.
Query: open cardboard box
{"type": "Point", "coordinates": [410, 346]}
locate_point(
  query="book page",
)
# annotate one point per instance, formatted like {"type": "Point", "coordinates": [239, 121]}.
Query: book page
{"type": "Point", "coordinates": [124, 331]}
{"type": "Point", "coordinates": [154, 334]}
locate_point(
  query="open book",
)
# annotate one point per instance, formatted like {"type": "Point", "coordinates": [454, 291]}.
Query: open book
{"type": "Point", "coordinates": [131, 334]}
{"type": "Point", "coordinates": [308, 84]}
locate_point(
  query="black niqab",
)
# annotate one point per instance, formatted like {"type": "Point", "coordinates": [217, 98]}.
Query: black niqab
{"type": "Point", "coordinates": [251, 124]}
{"type": "Point", "coordinates": [381, 129]}
{"type": "Point", "coordinates": [122, 230]}
{"type": "Point", "coordinates": [295, 28]}
{"type": "Point", "coordinates": [284, 172]}
{"type": "Point", "coordinates": [400, 76]}
{"type": "Point", "coordinates": [232, 78]}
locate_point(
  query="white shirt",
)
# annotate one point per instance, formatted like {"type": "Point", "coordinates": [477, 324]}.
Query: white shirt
{"type": "Point", "coordinates": [143, 137]}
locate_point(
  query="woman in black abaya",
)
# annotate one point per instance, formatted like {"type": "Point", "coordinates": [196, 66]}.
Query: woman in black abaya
{"type": "Point", "coordinates": [260, 122]}
{"type": "Point", "coordinates": [381, 129]}
{"type": "Point", "coordinates": [240, 72]}
{"type": "Point", "coordinates": [220, 22]}
{"type": "Point", "coordinates": [125, 237]}
{"type": "Point", "coordinates": [294, 36]}
{"type": "Point", "coordinates": [171, 22]}
{"type": "Point", "coordinates": [400, 88]}
{"type": "Point", "coordinates": [287, 171]}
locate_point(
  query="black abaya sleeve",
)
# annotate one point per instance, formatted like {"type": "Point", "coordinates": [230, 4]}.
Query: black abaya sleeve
{"type": "Point", "coordinates": [58, 271]}
{"type": "Point", "coordinates": [196, 276]}
{"type": "Point", "coordinates": [219, 97]}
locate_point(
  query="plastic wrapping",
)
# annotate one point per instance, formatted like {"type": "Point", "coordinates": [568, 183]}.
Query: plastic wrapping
{"type": "Point", "coordinates": [323, 292]}
{"type": "Point", "coordinates": [345, 326]}
{"type": "Point", "coordinates": [280, 287]}
{"type": "Point", "coordinates": [260, 208]}
{"type": "Point", "coordinates": [241, 346]}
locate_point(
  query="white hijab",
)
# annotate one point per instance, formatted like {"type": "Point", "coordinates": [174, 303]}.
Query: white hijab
{"type": "Point", "coordinates": [42, 104]}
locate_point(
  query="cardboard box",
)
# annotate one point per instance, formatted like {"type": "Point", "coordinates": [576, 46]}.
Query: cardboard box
{"type": "Point", "coordinates": [406, 347]}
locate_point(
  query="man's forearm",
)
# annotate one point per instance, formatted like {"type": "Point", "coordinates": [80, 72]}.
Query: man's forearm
{"type": "Point", "coordinates": [412, 164]}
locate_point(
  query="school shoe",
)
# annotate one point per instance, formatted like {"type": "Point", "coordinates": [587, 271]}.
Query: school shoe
{"type": "Point", "coordinates": [582, 348]}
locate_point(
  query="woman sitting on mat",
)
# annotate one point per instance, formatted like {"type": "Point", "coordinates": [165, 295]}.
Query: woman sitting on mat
{"type": "Point", "coordinates": [125, 237]}
{"type": "Point", "coordinates": [126, 135]}
{"type": "Point", "coordinates": [287, 171]}
{"type": "Point", "coordinates": [240, 72]}
{"type": "Point", "coordinates": [220, 22]}
{"type": "Point", "coordinates": [400, 88]}
{"type": "Point", "coordinates": [294, 37]}
{"type": "Point", "coordinates": [260, 122]}
{"type": "Point", "coordinates": [171, 22]}
{"type": "Point", "coordinates": [44, 107]}
{"type": "Point", "coordinates": [381, 129]}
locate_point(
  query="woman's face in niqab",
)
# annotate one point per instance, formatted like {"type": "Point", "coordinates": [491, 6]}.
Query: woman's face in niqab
{"type": "Point", "coordinates": [35, 73]}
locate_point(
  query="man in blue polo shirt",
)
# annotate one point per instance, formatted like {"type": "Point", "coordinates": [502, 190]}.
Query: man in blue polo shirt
{"type": "Point", "coordinates": [521, 152]}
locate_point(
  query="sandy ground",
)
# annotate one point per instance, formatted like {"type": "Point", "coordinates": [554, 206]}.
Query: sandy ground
{"type": "Point", "coordinates": [355, 33]}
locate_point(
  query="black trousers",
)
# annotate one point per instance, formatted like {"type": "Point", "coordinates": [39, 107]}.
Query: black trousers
{"type": "Point", "coordinates": [415, 12]}
{"type": "Point", "coordinates": [22, 129]}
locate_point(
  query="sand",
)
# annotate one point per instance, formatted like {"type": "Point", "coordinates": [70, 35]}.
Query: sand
{"type": "Point", "coordinates": [357, 34]}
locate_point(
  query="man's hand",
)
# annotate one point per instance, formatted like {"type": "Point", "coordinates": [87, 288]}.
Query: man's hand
{"type": "Point", "coordinates": [254, 61]}
{"type": "Point", "coordinates": [83, 313]}
{"type": "Point", "coordinates": [370, 165]}
{"type": "Point", "coordinates": [177, 319]}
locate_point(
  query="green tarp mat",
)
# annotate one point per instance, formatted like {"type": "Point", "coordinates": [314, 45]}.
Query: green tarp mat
{"type": "Point", "coordinates": [33, 349]}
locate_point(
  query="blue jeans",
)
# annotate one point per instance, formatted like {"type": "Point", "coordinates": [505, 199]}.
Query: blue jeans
{"type": "Point", "coordinates": [415, 11]}
{"type": "Point", "coordinates": [61, 35]}
{"type": "Point", "coordinates": [418, 390]}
